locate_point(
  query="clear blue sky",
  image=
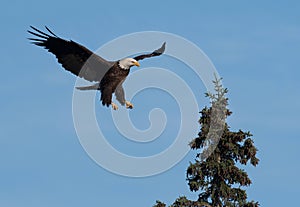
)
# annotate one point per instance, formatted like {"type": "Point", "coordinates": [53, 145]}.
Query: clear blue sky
{"type": "Point", "coordinates": [254, 46]}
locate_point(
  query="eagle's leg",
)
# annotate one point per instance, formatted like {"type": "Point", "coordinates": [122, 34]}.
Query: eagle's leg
{"type": "Point", "coordinates": [128, 105]}
{"type": "Point", "coordinates": [114, 106]}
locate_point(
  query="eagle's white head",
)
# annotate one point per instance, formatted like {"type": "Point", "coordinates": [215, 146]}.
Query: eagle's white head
{"type": "Point", "coordinates": [127, 63]}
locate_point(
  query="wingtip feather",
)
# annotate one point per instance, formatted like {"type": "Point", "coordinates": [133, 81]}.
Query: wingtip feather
{"type": "Point", "coordinates": [161, 50]}
{"type": "Point", "coordinates": [50, 31]}
{"type": "Point", "coordinates": [38, 35]}
{"type": "Point", "coordinates": [39, 31]}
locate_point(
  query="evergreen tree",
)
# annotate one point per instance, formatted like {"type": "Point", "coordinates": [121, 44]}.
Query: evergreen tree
{"type": "Point", "coordinates": [214, 172]}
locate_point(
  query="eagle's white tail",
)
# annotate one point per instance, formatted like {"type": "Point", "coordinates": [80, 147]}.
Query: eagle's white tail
{"type": "Point", "coordinates": [92, 87]}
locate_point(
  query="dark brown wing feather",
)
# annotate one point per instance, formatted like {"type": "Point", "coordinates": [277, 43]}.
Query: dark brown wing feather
{"type": "Point", "coordinates": [73, 56]}
{"type": "Point", "coordinates": [106, 95]}
{"type": "Point", "coordinates": [153, 54]}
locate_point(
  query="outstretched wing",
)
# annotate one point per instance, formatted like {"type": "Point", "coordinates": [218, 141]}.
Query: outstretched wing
{"type": "Point", "coordinates": [74, 57]}
{"type": "Point", "coordinates": [153, 54]}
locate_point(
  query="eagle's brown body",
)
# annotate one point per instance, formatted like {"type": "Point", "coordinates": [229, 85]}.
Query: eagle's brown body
{"type": "Point", "coordinates": [82, 62]}
{"type": "Point", "coordinates": [111, 80]}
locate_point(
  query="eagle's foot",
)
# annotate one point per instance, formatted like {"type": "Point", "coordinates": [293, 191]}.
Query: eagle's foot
{"type": "Point", "coordinates": [128, 105]}
{"type": "Point", "coordinates": [114, 106]}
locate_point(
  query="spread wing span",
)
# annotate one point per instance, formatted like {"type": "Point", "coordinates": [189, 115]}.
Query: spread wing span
{"type": "Point", "coordinates": [82, 62]}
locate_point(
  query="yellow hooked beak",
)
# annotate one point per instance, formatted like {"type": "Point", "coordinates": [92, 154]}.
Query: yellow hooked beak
{"type": "Point", "coordinates": [137, 64]}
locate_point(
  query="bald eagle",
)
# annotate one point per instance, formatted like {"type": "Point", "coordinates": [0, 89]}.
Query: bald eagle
{"type": "Point", "coordinates": [108, 75]}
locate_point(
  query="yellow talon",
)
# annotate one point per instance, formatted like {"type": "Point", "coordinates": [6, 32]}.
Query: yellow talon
{"type": "Point", "coordinates": [128, 105]}
{"type": "Point", "coordinates": [114, 106]}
